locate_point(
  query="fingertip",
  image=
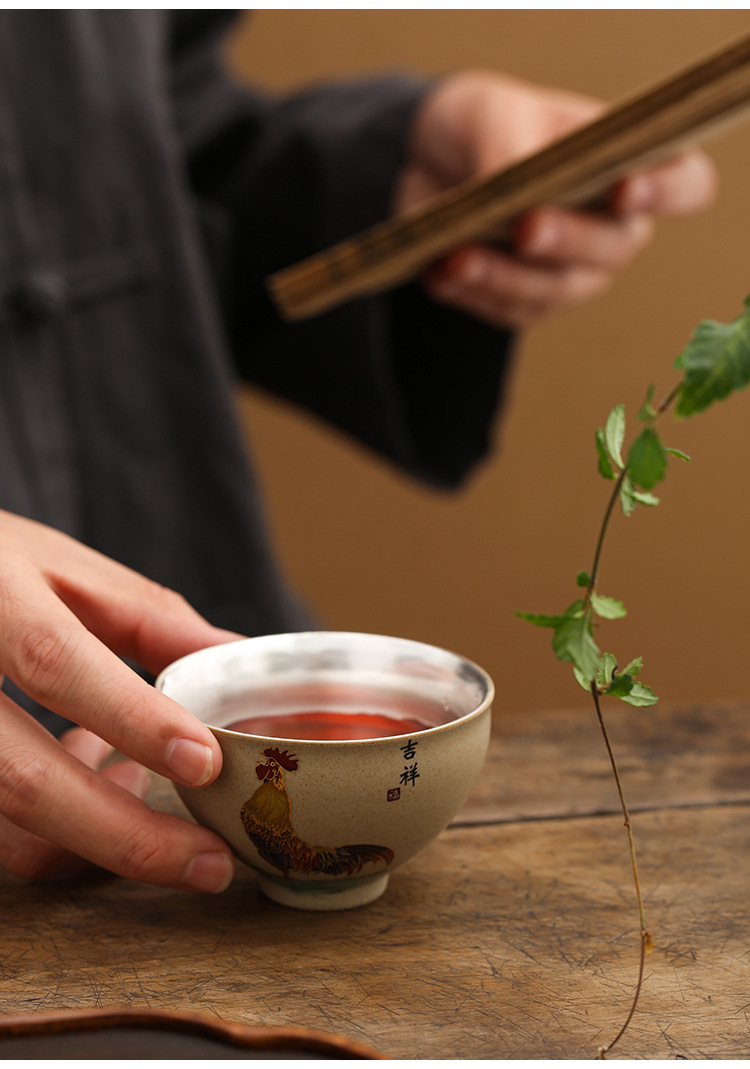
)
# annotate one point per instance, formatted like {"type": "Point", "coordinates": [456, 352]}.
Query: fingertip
{"type": "Point", "coordinates": [537, 235]}
{"type": "Point", "coordinates": [210, 871]}
{"type": "Point", "coordinates": [638, 193]}
{"type": "Point", "coordinates": [684, 184]}
{"type": "Point", "coordinates": [705, 184]}
{"type": "Point", "coordinates": [191, 762]}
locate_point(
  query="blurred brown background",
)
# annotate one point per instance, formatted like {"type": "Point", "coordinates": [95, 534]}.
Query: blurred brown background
{"type": "Point", "coordinates": [374, 552]}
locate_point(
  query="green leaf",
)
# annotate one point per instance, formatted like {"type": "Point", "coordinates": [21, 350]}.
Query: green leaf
{"type": "Point", "coordinates": [614, 433]}
{"type": "Point", "coordinates": [583, 579]}
{"type": "Point", "coordinates": [640, 695]}
{"type": "Point", "coordinates": [634, 668]}
{"type": "Point", "coordinates": [540, 620]}
{"type": "Point", "coordinates": [573, 641]}
{"type": "Point", "coordinates": [630, 496]}
{"type": "Point", "coordinates": [644, 498]}
{"type": "Point", "coordinates": [585, 683]}
{"type": "Point", "coordinates": [605, 464]}
{"type": "Point", "coordinates": [627, 496]}
{"type": "Point", "coordinates": [647, 461]}
{"type": "Point", "coordinates": [648, 411]}
{"type": "Point", "coordinates": [621, 686]}
{"type": "Point", "coordinates": [716, 362]}
{"type": "Point", "coordinates": [606, 669]}
{"type": "Point", "coordinates": [676, 453]}
{"type": "Point", "coordinates": [608, 608]}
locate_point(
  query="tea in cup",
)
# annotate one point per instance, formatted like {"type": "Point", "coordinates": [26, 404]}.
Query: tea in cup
{"type": "Point", "coordinates": [344, 755]}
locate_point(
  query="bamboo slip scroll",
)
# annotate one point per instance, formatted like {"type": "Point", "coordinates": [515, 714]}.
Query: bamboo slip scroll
{"type": "Point", "coordinates": [572, 171]}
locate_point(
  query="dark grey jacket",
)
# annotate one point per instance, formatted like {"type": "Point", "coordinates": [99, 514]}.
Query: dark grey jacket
{"type": "Point", "coordinates": [143, 199]}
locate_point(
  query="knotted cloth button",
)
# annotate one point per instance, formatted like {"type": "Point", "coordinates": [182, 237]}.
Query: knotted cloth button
{"type": "Point", "coordinates": [38, 295]}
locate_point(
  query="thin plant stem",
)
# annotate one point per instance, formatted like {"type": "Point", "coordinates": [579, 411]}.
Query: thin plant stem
{"type": "Point", "coordinates": [603, 529]}
{"type": "Point", "coordinates": [657, 412]}
{"type": "Point", "coordinates": [645, 935]}
{"type": "Point", "coordinates": [668, 399]}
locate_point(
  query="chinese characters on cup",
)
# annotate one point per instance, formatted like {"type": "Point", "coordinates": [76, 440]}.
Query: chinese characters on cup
{"type": "Point", "coordinates": [410, 774]}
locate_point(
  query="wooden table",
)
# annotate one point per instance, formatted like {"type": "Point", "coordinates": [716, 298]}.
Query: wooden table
{"type": "Point", "coordinates": [515, 935]}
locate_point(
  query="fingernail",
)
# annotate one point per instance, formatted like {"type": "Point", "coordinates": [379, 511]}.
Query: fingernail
{"type": "Point", "coordinates": [211, 871]}
{"type": "Point", "coordinates": [189, 761]}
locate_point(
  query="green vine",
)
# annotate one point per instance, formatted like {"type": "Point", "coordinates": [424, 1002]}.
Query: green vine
{"type": "Point", "coordinates": [714, 364]}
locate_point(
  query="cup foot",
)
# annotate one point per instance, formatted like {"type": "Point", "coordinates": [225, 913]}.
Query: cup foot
{"type": "Point", "coordinates": [320, 895]}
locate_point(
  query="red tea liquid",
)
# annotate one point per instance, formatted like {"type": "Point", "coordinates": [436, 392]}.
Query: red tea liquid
{"type": "Point", "coordinates": [328, 726]}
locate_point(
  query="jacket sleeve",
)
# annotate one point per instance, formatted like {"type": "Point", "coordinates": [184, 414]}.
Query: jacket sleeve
{"type": "Point", "coordinates": [277, 179]}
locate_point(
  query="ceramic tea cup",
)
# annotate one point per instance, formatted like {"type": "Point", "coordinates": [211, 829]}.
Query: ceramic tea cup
{"type": "Point", "coordinates": [344, 755]}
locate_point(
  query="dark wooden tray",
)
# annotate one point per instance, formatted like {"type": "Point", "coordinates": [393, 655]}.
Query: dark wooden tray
{"type": "Point", "coordinates": [151, 1034]}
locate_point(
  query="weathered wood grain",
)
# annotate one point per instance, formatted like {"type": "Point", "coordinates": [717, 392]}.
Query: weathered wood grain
{"type": "Point", "coordinates": [554, 764]}
{"type": "Point", "coordinates": [516, 939]}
